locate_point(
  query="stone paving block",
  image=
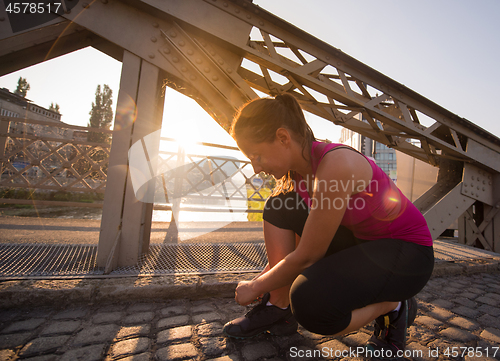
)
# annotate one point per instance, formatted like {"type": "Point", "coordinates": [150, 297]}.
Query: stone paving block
{"type": "Point", "coordinates": [489, 301]}
{"type": "Point", "coordinates": [469, 295]}
{"type": "Point", "coordinates": [464, 302]}
{"type": "Point", "coordinates": [419, 352]}
{"type": "Point", "coordinates": [440, 313]}
{"type": "Point", "coordinates": [420, 334]}
{"type": "Point", "coordinates": [43, 344]}
{"type": "Point", "coordinates": [206, 317]}
{"type": "Point", "coordinates": [174, 334]}
{"type": "Point", "coordinates": [457, 334]}
{"type": "Point", "coordinates": [254, 351]}
{"type": "Point", "coordinates": [14, 340]}
{"type": "Point", "coordinates": [129, 347]}
{"type": "Point", "coordinates": [173, 321]}
{"type": "Point", "coordinates": [491, 334]}
{"type": "Point", "coordinates": [464, 323]}
{"type": "Point", "coordinates": [129, 331]}
{"type": "Point", "coordinates": [140, 317]}
{"type": "Point", "coordinates": [203, 308]}
{"type": "Point", "coordinates": [176, 352]}
{"type": "Point", "coordinates": [466, 311]}
{"type": "Point", "coordinates": [71, 314]}
{"type": "Point", "coordinates": [490, 310]}
{"type": "Point", "coordinates": [107, 317]}
{"type": "Point", "coordinates": [173, 311]}
{"type": "Point", "coordinates": [493, 295]}
{"type": "Point", "coordinates": [96, 334]}
{"type": "Point", "coordinates": [26, 325]}
{"type": "Point", "coordinates": [451, 290]}
{"type": "Point", "coordinates": [209, 329]}
{"type": "Point", "coordinates": [141, 307]}
{"type": "Point", "coordinates": [226, 358]}
{"type": "Point", "coordinates": [213, 346]}
{"type": "Point", "coordinates": [146, 356]}
{"type": "Point", "coordinates": [6, 354]}
{"type": "Point", "coordinates": [443, 303]}
{"type": "Point", "coordinates": [488, 320]}
{"type": "Point", "coordinates": [425, 296]}
{"type": "Point", "coordinates": [61, 327]}
{"type": "Point", "coordinates": [429, 322]}
{"type": "Point", "coordinates": [356, 339]}
{"type": "Point", "coordinates": [332, 347]}
{"type": "Point", "coordinates": [87, 353]}
{"type": "Point", "coordinates": [50, 357]}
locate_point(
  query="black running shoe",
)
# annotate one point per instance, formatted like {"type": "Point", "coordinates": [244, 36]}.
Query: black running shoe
{"type": "Point", "coordinates": [389, 335]}
{"type": "Point", "coordinates": [262, 319]}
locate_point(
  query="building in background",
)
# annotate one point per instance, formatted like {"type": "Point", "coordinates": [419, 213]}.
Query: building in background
{"type": "Point", "coordinates": [384, 156]}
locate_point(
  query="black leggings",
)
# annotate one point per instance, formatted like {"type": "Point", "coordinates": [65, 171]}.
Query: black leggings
{"type": "Point", "coordinates": [353, 274]}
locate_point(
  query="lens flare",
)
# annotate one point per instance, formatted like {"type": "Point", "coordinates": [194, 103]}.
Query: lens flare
{"type": "Point", "coordinates": [126, 113]}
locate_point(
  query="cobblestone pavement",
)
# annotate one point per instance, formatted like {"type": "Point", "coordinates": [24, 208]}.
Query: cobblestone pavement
{"type": "Point", "coordinates": [458, 319]}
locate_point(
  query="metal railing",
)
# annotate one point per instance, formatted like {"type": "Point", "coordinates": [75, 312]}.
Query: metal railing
{"type": "Point", "coordinates": [48, 158]}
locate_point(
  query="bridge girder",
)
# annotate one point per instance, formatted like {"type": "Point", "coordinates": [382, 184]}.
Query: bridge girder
{"type": "Point", "coordinates": [220, 51]}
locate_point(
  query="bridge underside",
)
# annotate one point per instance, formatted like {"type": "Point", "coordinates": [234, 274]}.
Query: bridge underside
{"type": "Point", "coordinates": [220, 53]}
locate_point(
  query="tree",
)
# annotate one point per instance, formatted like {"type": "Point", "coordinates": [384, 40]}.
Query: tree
{"type": "Point", "coordinates": [22, 87]}
{"type": "Point", "coordinates": [55, 108]}
{"type": "Point", "coordinates": [101, 114]}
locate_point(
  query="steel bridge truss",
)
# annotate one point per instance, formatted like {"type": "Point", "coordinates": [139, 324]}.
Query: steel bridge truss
{"type": "Point", "coordinates": [222, 53]}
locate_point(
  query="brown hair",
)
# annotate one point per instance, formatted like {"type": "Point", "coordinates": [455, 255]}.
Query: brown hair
{"type": "Point", "coordinates": [259, 119]}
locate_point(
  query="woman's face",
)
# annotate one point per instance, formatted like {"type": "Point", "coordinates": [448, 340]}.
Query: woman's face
{"type": "Point", "coordinates": [269, 157]}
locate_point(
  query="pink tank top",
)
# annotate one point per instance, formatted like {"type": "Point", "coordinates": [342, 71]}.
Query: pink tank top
{"type": "Point", "coordinates": [380, 210]}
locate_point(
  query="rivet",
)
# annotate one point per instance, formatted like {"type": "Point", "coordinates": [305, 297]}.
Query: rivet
{"type": "Point", "coordinates": [225, 5]}
{"type": "Point", "coordinates": [166, 51]}
{"type": "Point", "coordinates": [465, 191]}
{"type": "Point", "coordinates": [327, 58]}
{"type": "Point", "coordinates": [151, 56]}
{"type": "Point", "coordinates": [192, 77]}
{"type": "Point", "coordinates": [484, 189]}
{"type": "Point", "coordinates": [221, 61]}
{"type": "Point", "coordinates": [153, 39]}
{"type": "Point", "coordinates": [489, 183]}
{"type": "Point", "coordinates": [229, 70]}
{"type": "Point", "coordinates": [245, 5]}
{"type": "Point", "coordinates": [183, 69]}
{"type": "Point", "coordinates": [249, 16]}
{"type": "Point", "coordinates": [215, 78]}
{"type": "Point", "coordinates": [256, 11]}
{"type": "Point", "coordinates": [190, 52]}
{"type": "Point", "coordinates": [212, 52]}
{"type": "Point", "coordinates": [484, 182]}
{"type": "Point", "coordinates": [175, 59]}
{"type": "Point", "coordinates": [477, 187]}
{"type": "Point", "coordinates": [472, 177]}
{"type": "Point", "coordinates": [237, 11]}
{"type": "Point", "coordinates": [182, 43]}
{"type": "Point", "coordinates": [198, 61]}
{"type": "Point", "coordinates": [465, 184]}
{"type": "Point", "coordinates": [104, 1]}
{"type": "Point", "coordinates": [472, 185]}
{"type": "Point", "coordinates": [207, 70]}
{"type": "Point", "coordinates": [173, 34]}
{"type": "Point", "coordinates": [339, 63]}
{"type": "Point", "coordinates": [261, 23]}
{"type": "Point", "coordinates": [155, 25]}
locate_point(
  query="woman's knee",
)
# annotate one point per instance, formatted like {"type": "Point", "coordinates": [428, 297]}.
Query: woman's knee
{"type": "Point", "coordinates": [315, 312]}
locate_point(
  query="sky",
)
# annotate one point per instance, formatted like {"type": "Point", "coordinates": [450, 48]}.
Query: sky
{"type": "Point", "coordinates": [446, 50]}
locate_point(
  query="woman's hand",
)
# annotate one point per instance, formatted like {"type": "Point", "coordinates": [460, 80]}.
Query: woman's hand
{"type": "Point", "coordinates": [245, 294]}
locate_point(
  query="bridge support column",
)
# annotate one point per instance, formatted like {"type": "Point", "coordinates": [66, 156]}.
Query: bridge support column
{"type": "Point", "coordinates": [126, 221]}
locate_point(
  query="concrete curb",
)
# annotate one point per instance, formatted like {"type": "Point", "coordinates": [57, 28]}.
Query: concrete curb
{"type": "Point", "coordinates": [63, 292]}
